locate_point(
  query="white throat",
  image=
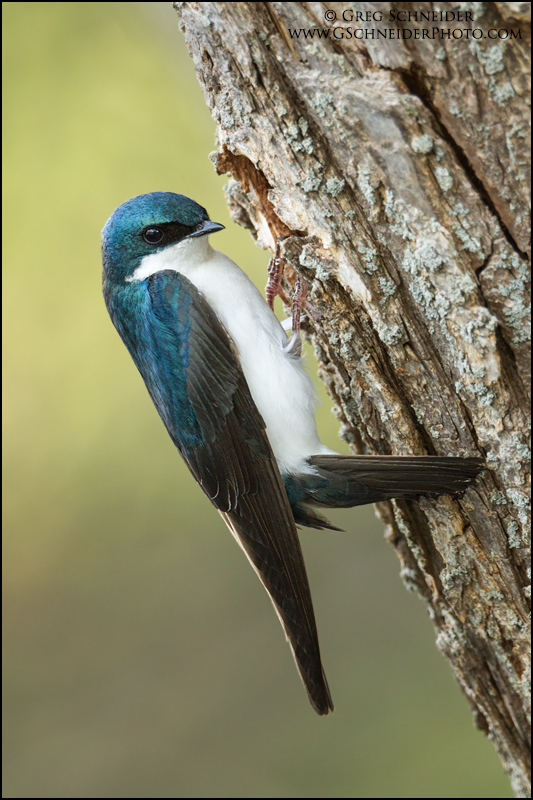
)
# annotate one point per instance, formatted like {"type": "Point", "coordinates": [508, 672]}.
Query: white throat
{"type": "Point", "coordinates": [180, 257]}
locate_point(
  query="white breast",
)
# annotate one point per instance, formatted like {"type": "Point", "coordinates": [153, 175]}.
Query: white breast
{"type": "Point", "coordinates": [281, 388]}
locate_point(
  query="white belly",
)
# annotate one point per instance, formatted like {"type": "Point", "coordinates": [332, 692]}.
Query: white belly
{"type": "Point", "coordinates": [281, 388]}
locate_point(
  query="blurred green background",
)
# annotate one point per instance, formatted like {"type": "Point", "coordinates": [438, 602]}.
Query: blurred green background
{"type": "Point", "coordinates": [142, 656]}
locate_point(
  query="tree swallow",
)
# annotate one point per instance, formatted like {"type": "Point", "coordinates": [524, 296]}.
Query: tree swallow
{"type": "Point", "coordinates": [238, 404]}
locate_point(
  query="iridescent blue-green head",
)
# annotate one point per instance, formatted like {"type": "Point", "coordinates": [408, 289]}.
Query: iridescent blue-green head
{"type": "Point", "coordinates": [147, 224]}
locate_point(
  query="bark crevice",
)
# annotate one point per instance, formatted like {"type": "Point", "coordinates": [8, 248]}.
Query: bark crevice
{"type": "Point", "coordinates": [415, 83]}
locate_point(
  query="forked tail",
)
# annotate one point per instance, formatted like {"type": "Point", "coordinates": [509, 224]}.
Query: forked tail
{"type": "Point", "coordinates": [346, 481]}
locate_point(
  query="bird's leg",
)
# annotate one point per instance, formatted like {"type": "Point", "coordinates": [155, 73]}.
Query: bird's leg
{"type": "Point", "coordinates": [275, 271]}
{"type": "Point", "coordinates": [300, 304]}
{"type": "Point", "coordinates": [297, 305]}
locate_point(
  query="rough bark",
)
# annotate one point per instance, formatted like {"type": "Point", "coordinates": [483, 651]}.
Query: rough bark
{"type": "Point", "coordinates": [395, 173]}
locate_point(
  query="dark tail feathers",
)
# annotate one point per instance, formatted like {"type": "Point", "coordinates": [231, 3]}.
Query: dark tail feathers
{"type": "Point", "coordinates": [346, 481]}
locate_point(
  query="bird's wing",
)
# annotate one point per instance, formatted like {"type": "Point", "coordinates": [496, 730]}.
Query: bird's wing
{"type": "Point", "coordinates": [230, 457]}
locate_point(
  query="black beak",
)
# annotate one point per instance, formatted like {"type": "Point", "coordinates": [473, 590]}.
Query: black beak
{"type": "Point", "coordinates": [204, 228]}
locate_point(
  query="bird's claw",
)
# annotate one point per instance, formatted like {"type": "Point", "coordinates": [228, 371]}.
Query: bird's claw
{"type": "Point", "coordinates": [299, 304]}
{"type": "Point", "coordinates": [275, 271]}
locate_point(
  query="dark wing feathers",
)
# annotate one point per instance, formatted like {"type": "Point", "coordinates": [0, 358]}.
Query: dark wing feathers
{"type": "Point", "coordinates": [236, 468]}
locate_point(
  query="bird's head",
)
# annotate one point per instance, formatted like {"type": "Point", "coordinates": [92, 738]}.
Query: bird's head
{"type": "Point", "coordinates": [146, 225]}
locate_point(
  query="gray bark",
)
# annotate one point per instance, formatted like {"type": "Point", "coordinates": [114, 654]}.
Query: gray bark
{"type": "Point", "coordinates": [394, 171]}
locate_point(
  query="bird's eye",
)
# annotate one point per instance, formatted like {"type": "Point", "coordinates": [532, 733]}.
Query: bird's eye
{"type": "Point", "coordinates": [153, 235]}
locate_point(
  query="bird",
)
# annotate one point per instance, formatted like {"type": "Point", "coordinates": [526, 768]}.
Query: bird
{"type": "Point", "coordinates": [231, 389]}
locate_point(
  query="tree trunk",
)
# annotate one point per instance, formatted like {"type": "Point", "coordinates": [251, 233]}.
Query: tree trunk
{"type": "Point", "coordinates": [393, 171]}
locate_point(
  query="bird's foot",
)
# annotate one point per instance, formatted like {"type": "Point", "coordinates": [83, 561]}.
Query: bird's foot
{"type": "Point", "coordinates": [300, 304]}
{"type": "Point", "coordinates": [275, 271]}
